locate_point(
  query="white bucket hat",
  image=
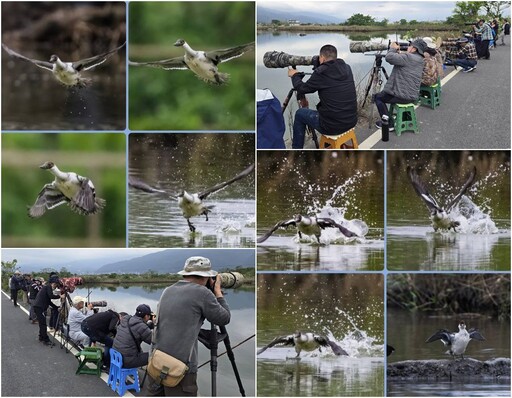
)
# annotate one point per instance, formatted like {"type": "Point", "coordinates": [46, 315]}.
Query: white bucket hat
{"type": "Point", "coordinates": [78, 299]}
{"type": "Point", "coordinates": [199, 266]}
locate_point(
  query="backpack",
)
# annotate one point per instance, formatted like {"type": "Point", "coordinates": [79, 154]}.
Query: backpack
{"type": "Point", "coordinates": [430, 71]}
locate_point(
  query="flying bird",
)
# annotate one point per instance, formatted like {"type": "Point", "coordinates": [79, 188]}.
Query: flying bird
{"type": "Point", "coordinates": [141, 185]}
{"type": "Point", "coordinates": [456, 341]}
{"type": "Point", "coordinates": [68, 187]}
{"type": "Point", "coordinates": [203, 63]}
{"type": "Point", "coordinates": [439, 216]}
{"type": "Point", "coordinates": [67, 73]}
{"type": "Point", "coordinates": [308, 226]}
{"type": "Point", "coordinates": [305, 341]}
{"type": "Point", "coordinates": [192, 205]}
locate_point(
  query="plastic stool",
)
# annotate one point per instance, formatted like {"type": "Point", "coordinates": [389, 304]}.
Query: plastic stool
{"type": "Point", "coordinates": [430, 95]}
{"type": "Point", "coordinates": [90, 355]}
{"type": "Point", "coordinates": [405, 118]}
{"type": "Point", "coordinates": [339, 141]}
{"type": "Point", "coordinates": [117, 374]}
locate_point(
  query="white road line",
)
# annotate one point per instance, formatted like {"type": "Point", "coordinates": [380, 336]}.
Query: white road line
{"type": "Point", "coordinates": [377, 135]}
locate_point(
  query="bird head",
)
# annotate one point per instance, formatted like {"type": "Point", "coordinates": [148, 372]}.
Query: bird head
{"type": "Point", "coordinates": [53, 58]}
{"type": "Point", "coordinates": [179, 42]}
{"type": "Point", "coordinates": [47, 165]}
{"type": "Point", "coordinates": [181, 194]}
{"type": "Point", "coordinates": [462, 325]}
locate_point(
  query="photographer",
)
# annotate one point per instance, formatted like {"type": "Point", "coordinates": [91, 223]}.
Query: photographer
{"type": "Point", "coordinates": [403, 85]}
{"type": "Point", "coordinates": [43, 301]}
{"type": "Point", "coordinates": [131, 332]}
{"type": "Point", "coordinates": [337, 109]}
{"type": "Point", "coordinates": [15, 284]}
{"type": "Point", "coordinates": [182, 310]}
{"type": "Point", "coordinates": [483, 30]}
{"type": "Point", "coordinates": [98, 327]}
{"type": "Point", "coordinates": [466, 57]}
{"type": "Point", "coordinates": [75, 319]}
{"type": "Point", "coordinates": [35, 287]}
{"type": "Point", "coordinates": [505, 31]}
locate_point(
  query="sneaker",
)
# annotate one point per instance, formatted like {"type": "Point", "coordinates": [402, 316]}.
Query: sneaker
{"type": "Point", "coordinates": [378, 124]}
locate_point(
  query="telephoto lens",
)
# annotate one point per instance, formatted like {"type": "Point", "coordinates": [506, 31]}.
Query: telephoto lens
{"type": "Point", "coordinates": [279, 59]}
{"type": "Point", "coordinates": [97, 303]}
{"type": "Point", "coordinates": [231, 280]}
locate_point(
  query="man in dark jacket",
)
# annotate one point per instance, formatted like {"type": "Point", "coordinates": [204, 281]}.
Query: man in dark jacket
{"type": "Point", "coordinates": [35, 287]}
{"type": "Point", "coordinates": [41, 304]}
{"type": "Point", "coordinates": [403, 85]}
{"type": "Point", "coordinates": [16, 285]}
{"type": "Point", "coordinates": [98, 327]}
{"type": "Point", "coordinates": [337, 109]}
{"type": "Point", "coordinates": [131, 332]}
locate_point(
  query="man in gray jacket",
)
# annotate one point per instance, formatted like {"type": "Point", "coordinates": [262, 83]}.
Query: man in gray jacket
{"type": "Point", "coordinates": [182, 310]}
{"type": "Point", "coordinates": [403, 85]}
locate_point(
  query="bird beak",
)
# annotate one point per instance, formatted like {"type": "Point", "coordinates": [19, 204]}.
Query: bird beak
{"type": "Point", "coordinates": [177, 44]}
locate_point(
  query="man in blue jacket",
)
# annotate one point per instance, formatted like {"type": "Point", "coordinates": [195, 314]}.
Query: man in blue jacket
{"type": "Point", "coordinates": [337, 109]}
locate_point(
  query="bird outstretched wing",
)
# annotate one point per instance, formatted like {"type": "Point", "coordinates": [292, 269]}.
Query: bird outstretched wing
{"type": "Point", "coordinates": [85, 201]}
{"type": "Point", "coordinates": [89, 63]}
{"type": "Point", "coordinates": [47, 199]}
{"type": "Point", "coordinates": [280, 224]}
{"type": "Point", "coordinates": [422, 190]}
{"type": "Point", "coordinates": [470, 180]}
{"type": "Point", "coordinates": [41, 64]}
{"type": "Point", "coordinates": [202, 195]}
{"type": "Point", "coordinates": [284, 340]}
{"type": "Point", "coordinates": [444, 335]}
{"type": "Point", "coordinates": [218, 56]}
{"type": "Point", "coordinates": [475, 335]}
{"type": "Point", "coordinates": [141, 185]}
{"type": "Point", "coordinates": [167, 64]}
{"type": "Point", "coordinates": [329, 222]}
{"type": "Point", "coordinates": [325, 342]}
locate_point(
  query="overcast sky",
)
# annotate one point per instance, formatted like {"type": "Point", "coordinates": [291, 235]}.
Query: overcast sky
{"type": "Point", "coordinates": [392, 10]}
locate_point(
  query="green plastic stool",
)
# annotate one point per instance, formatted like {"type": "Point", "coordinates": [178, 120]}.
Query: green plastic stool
{"type": "Point", "coordinates": [404, 118]}
{"type": "Point", "coordinates": [430, 95]}
{"type": "Point", "coordinates": [91, 355]}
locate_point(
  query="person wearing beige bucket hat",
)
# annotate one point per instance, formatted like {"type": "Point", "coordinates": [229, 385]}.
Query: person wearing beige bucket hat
{"type": "Point", "coordinates": [182, 309]}
{"type": "Point", "coordinates": [76, 317]}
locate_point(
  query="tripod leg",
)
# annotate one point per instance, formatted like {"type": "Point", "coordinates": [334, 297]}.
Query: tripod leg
{"type": "Point", "coordinates": [213, 356]}
{"type": "Point", "coordinates": [231, 357]}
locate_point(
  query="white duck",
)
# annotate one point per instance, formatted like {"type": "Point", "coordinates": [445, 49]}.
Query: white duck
{"type": "Point", "coordinates": [456, 341]}
{"type": "Point", "coordinates": [68, 187]}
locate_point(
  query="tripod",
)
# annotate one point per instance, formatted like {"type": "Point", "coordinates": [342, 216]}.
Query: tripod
{"type": "Point", "coordinates": [61, 319]}
{"type": "Point", "coordinates": [375, 82]}
{"type": "Point", "coordinates": [303, 103]}
{"type": "Point", "coordinates": [211, 339]}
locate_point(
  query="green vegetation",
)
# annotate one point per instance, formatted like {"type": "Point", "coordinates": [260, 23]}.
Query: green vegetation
{"type": "Point", "coordinates": [451, 293]}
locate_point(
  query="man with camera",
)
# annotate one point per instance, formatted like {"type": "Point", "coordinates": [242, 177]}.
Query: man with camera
{"type": "Point", "coordinates": [131, 332]}
{"type": "Point", "coordinates": [43, 301]}
{"type": "Point", "coordinates": [403, 85]}
{"type": "Point", "coordinates": [98, 327]}
{"type": "Point", "coordinates": [76, 317]}
{"type": "Point", "coordinates": [337, 109]}
{"type": "Point", "coordinates": [182, 310]}
{"type": "Point", "coordinates": [466, 56]}
{"type": "Point", "coordinates": [484, 31]}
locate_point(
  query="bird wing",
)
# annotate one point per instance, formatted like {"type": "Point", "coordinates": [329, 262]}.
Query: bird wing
{"type": "Point", "coordinates": [470, 180]}
{"type": "Point", "coordinates": [444, 335]}
{"type": "Point", "coordinates": [280, 224]}
{"type": "Point", "coordinates": [139, 184]}
{"type": "Point", "coordinates": [389, 350]}
{"type": "Point", "coordinates": [422, 191]}
{"type": "Point", "coordinates": [325, 342]}
{"type": "Point", "coordinates": [41, 64]}
{"type": "Point", "coordinates": [167, 64]}
{"type": "Point", "coordinates": [224, 55]}
{"type": "Point", "coordinates": [475, 335]}
{"type": "Point", "coordinates": [285, 340]}
{"type": "Point", "coordinates": [329, 222]}
{"type": "Point", "coordinates": [48, 198]}
{"type": "Point", "coordinates": [202, 195]}
{"type": "Point", "coordinates": [85, 201]}
{"type": "Point", "coordinates": [89, 63]}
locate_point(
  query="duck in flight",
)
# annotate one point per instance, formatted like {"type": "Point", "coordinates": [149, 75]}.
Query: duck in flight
{"type": "Point", "coordinates": [439, 216]}
{"type": "Point", "coordinates": [305, 342]}
{"type": "Point", "coordinates": [456, 341]}
{"type": "Point", "coordinates": [308, 225]}
{"type": "Point", "coordinates": [67, 73]}
{"type": "Point", "coordinates": [192, 205]}
{"type": "Point", "coordinates": [68, 187]}
{"type": "Point", "coordinates": [203, 63]}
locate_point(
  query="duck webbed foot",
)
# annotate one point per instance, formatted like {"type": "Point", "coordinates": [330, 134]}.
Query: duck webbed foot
{"type": "Point", "coordinates": [190, 226]}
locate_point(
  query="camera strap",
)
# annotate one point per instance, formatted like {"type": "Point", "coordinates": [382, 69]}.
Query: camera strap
{"type": "Point", "coordinates": [133, 337]}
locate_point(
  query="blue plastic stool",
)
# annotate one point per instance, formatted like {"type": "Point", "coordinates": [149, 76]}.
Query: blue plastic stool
{"type": "Point", "coordinates": [117, 374]}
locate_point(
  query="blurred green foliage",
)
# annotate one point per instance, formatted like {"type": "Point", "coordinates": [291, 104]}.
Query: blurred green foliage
{"type": "Point", "coordinates": [100, 157]}
{"type": "Point", "coordinates": [177, 99]}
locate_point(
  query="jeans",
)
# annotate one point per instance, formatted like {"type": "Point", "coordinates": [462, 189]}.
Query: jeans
{"type": "Point", "coordinates": [107, 340]}
{"type": "Point", "coordinates": [465, 63]}
{"type": "Point", "coordinates": [381, 99]}
{"type": "Point", "coordinates": [304, 117]}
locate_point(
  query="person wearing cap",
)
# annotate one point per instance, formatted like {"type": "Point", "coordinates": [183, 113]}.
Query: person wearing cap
{"type": "Point", "coordinates": [182, 310]}
{"type": "Point", "coordinates": [98, 327]}
{"type": "Point", "coordinates": [75, 318]}
{"type": "Point", "coordinates": [16, 284]}
{"type": "Point", "coordinates": [131, 332]}
{"type": "Point", "coordinates": [403, 85]}
{"type": "Point", "coordinates": [484, 31]}
{"type": "Point", "coordinates": [43, 301]}
{"type": "Point", "coordinates": [466, 57]}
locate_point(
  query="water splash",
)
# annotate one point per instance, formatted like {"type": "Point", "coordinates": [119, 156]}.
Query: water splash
{"type": "Point", "coordinates": [472, 219]}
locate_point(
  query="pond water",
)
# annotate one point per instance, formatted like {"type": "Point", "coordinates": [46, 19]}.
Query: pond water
{"type": "Point", "coordinates": [279, 83]}
{"type": "Point", "coordinates": [31, 91]}
{"type": "Point", "coordinates": [345, 308]}
{"type": "Point", "coordinates": [242, 306]}
{"type": "Point", "coordinates": [407, 333]}
{"type": "Point", "coordinates": [193, 162]}
{"type": "Point", "coordinates": [345, 187]}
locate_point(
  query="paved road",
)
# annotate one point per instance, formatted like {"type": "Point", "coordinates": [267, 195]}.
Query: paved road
{"type": "Point", "coordinates": [474, 112]}
{"type": "Point", "coordinates": [32, 369]}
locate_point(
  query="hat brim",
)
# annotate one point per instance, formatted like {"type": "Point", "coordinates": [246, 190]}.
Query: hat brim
{"type": "Point", "coordinates": [206, 274]}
